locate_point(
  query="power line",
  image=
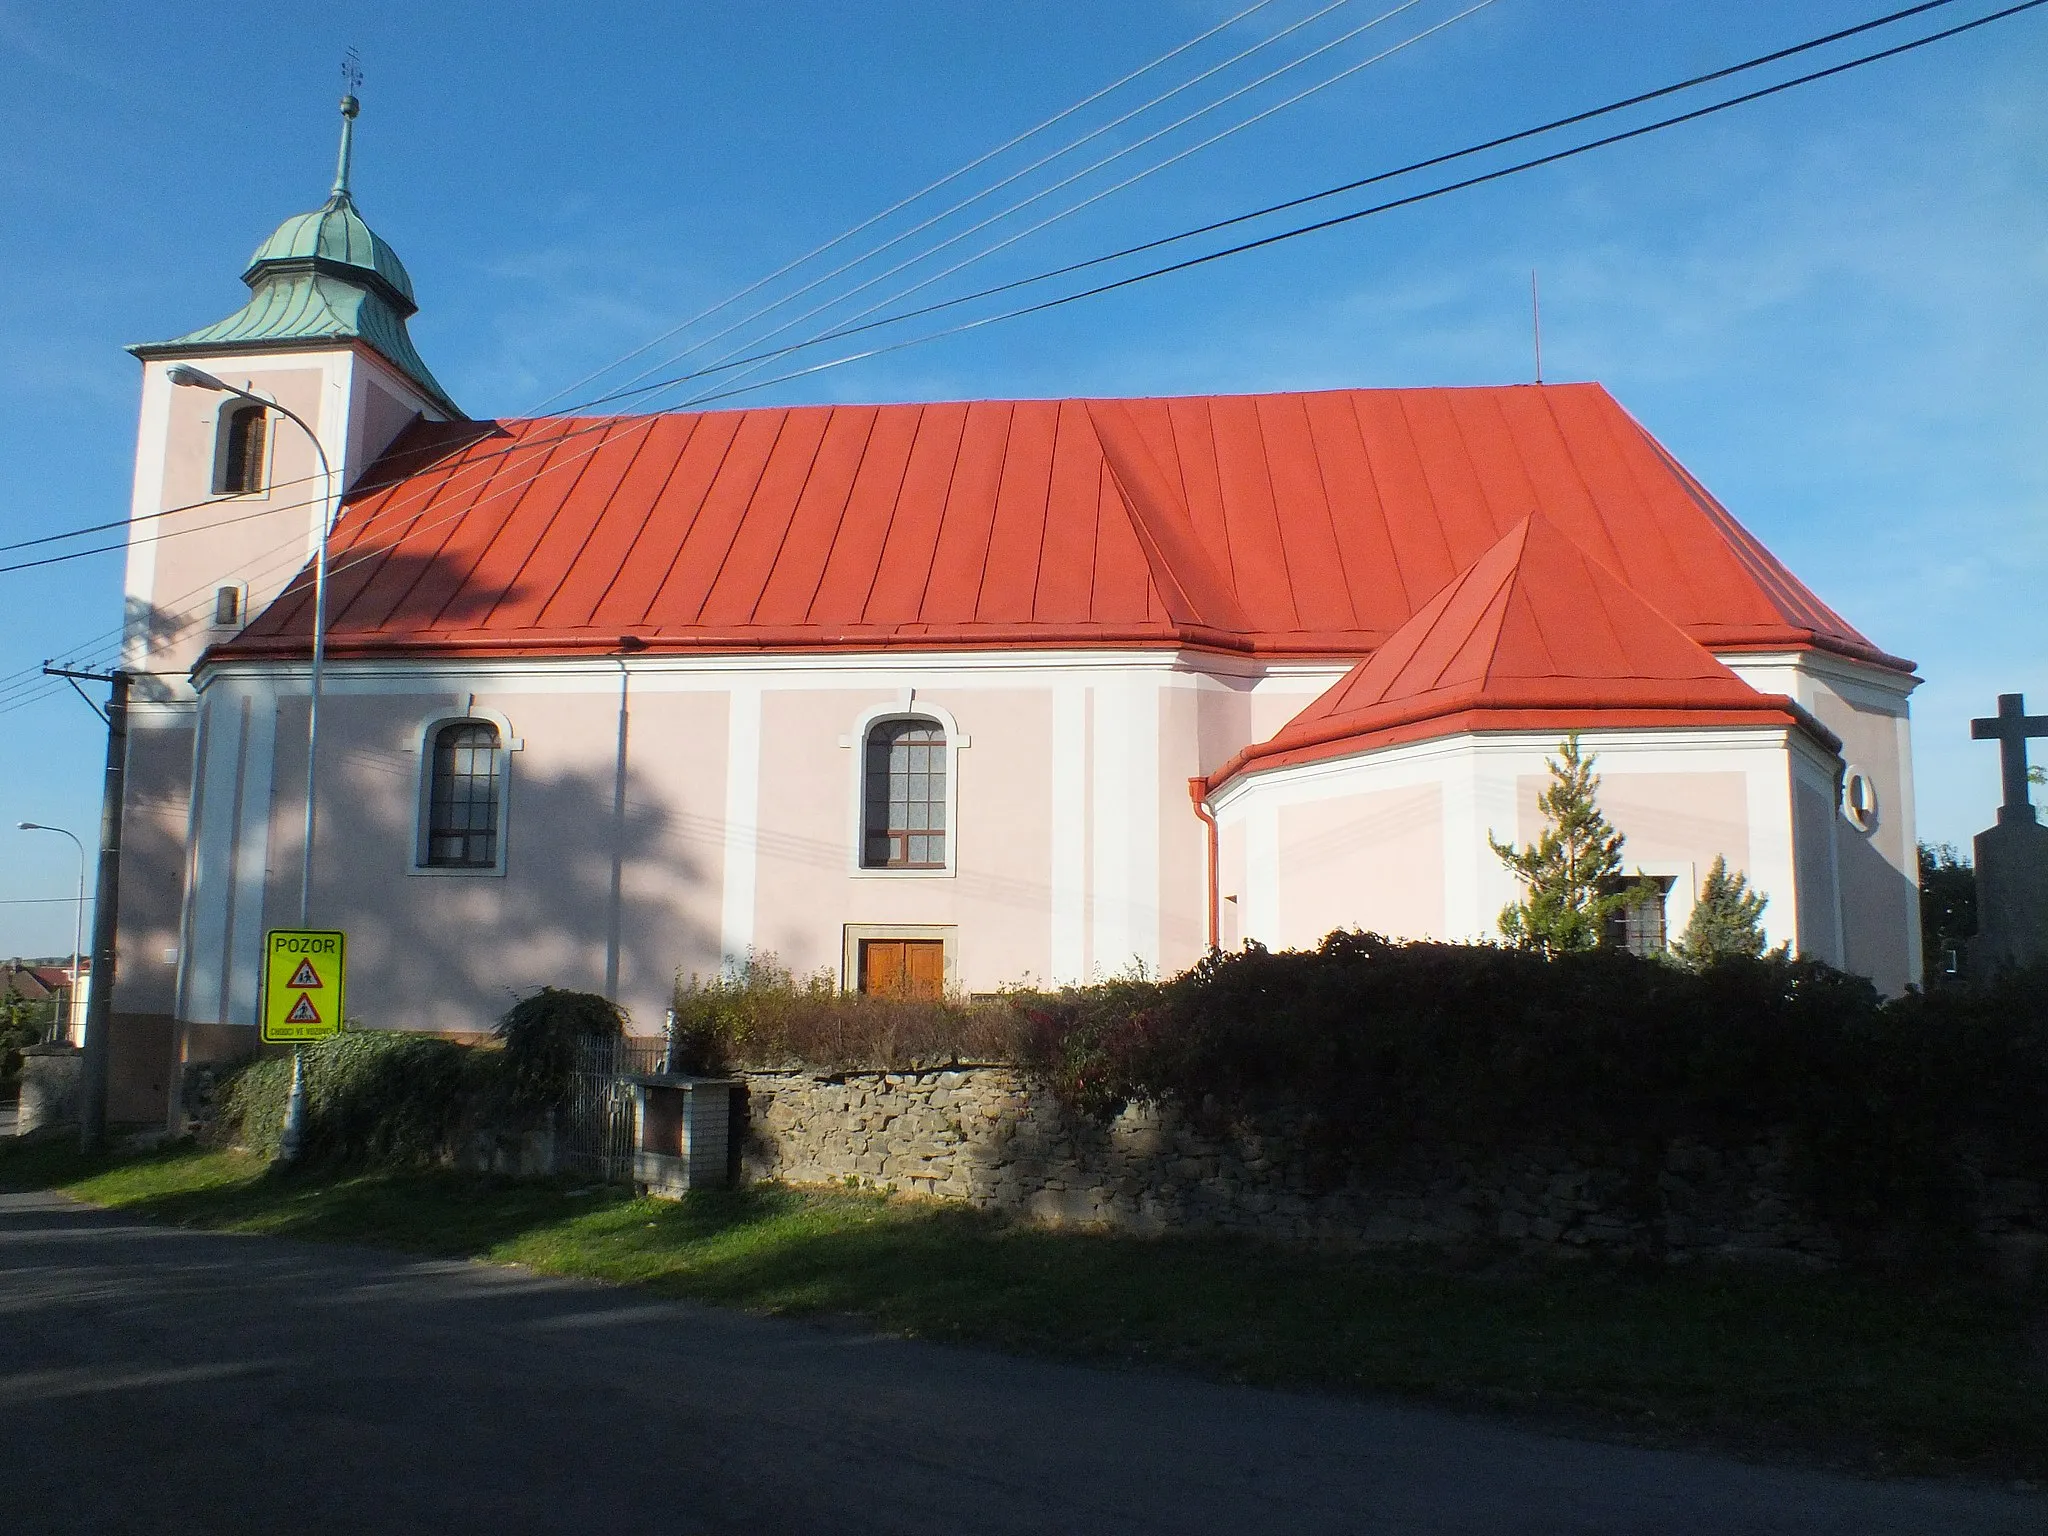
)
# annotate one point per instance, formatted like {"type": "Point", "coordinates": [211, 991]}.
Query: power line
{"type": "Point", "coordinates": [127, 522]}
{"type": "Point", "coordinates": [1035, 165]}
{"type": "Point", "coordinates": [1118, 154]}
{"type": "Point", "coordinates": [1348, 217]}
{"type": "Point", "coordinates": [725, 365]}
{"type": "Point", "coordinates": [897, 207]}
{"type": "Point", "coordinates": [1378, 208]}
{"type": "Point", "coordinates": [1295, 202]}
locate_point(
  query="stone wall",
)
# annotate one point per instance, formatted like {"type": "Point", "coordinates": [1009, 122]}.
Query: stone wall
{"type": "Point", "coordinates": [989, 1136]}
{"type": "Point", "coordinates": [52, 1083]}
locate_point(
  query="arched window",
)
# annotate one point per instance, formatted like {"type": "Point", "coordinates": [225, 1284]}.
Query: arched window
{"type": "Point", "coordinates": [462, 800]}
{"type": "Point", "coordinates": [903, 799]}
{"type": "Point", "coordinates": [239, 467]}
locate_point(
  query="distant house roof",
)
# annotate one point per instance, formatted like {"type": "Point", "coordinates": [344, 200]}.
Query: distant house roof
{"type": "Point", "coordinates": [1277, 525]}
{"type": "Point", "coordinates": [1536, 635]}
{"type": "Point", "coordinates": [34, 983]}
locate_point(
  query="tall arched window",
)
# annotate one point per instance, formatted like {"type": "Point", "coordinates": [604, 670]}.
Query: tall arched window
{"type": "Point", "coordinates": [904, 796]}
{"type": "Point", "coordinates": [462, 800]}
{"type": "Point", "coordinates": [239, 463]}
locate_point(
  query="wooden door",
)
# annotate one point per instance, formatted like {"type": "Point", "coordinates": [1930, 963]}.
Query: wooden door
{"type": "Point", "coordinates": [903, 967]}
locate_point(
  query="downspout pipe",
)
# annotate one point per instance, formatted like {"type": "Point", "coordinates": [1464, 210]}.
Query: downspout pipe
{"type": "Point", "coordinates": [1198, 792]}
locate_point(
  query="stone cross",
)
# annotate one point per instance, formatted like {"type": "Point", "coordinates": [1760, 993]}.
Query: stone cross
{"type": "Point", "coordinates": [2010, 728]}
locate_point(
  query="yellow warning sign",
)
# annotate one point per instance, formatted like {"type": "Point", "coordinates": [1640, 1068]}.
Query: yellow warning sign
{"type": "Point", "coordinates": [303, 979]}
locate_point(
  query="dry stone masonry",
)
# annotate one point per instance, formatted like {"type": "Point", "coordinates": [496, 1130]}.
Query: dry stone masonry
{"type": "Point", "coordinates": [990, 1136]}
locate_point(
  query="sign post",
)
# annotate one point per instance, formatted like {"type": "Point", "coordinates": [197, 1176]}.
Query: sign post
{"type": "Point", "coordinates": [305, 977]}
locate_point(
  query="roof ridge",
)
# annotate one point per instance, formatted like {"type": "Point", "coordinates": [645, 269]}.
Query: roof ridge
{"type": "Point", "coordinates": [1661, 667]}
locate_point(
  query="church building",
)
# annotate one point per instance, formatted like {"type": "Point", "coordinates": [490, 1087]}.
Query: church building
{"type": "Point", "coordinates": [953, 695]}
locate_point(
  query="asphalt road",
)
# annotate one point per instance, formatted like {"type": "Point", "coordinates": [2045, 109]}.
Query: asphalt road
{"type": "Point", "coordinates": [161, 1381]}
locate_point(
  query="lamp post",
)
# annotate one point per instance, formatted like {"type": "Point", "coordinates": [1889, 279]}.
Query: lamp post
{"type": "Point", "coordinates": [188, 377]}
{"type": "Point", "coordinates": [77, 916]}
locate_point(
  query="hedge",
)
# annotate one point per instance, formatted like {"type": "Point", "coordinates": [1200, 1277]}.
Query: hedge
{"type": "Point", "coordinates": [384, 1096]}
{"type": "Point", "coordinates": [1892, 1108]}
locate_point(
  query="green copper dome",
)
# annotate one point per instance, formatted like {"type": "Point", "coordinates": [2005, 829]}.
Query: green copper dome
{"type": "Point", "coordinates": [321, 277]}
{"type": "Point", "coordinates": [334, 234]}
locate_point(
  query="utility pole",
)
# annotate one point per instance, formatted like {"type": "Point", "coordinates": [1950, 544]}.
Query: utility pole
{"type": "Point", "coordinates": [92, 1111]}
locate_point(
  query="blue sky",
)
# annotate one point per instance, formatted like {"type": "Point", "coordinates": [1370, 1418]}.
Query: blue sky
{"type": "Point", "coordinates": [1831, 305]}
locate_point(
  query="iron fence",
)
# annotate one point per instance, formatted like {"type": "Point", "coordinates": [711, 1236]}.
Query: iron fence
{"type": "Point", "coordinates": [596, 1127]}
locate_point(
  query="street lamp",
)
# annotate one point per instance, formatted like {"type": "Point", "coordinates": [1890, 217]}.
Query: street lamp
{"type": "Point", "coordinates": [186, 376]}
{"type": "Point", "coordinates": [77, 916]}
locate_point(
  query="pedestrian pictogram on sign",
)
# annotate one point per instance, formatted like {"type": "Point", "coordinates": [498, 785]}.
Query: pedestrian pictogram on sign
{"type": "Point", "coordinates": [298, 963]}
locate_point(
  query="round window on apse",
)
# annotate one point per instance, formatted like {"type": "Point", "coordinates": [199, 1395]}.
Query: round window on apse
{"type": "Point", "coordinates": [1859, 800]}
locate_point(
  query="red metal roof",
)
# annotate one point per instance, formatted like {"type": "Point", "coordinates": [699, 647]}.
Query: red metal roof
{"type": "Point", "coordinates": [1536, 635]}
{"type": "Point", "coordinates": [1288, 524]}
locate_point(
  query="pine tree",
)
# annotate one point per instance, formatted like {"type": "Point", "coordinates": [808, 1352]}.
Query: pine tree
{"type": "Point", "coordinates": [1568, 871]}
{"type": "Point", "coordinates": [1725, 920]}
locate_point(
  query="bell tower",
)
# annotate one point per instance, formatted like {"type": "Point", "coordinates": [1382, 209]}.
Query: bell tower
{"type": "Point", "coordinates": [228, 505]}
{"type": "Point", "coordinates": [229, 498]}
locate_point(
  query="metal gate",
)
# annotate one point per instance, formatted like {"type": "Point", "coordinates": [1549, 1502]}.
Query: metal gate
{"type": "Point", "coordinates": [597, 1122]}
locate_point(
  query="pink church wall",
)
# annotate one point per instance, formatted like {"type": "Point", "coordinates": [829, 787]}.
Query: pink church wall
{"type": "Point", "coordinates": [1813, 834]}
{"type": "Point", "coordinates": [265, 550]}
{"type": "Point", "coordinates": [807, 885]}
{"type": "Point", "coordinates": [159, 776]}
{"type": "Point", "coordinates": [1371, 861]}
{"type": "Point", "coordinates": [1673, 823]}
{"type": "Point", "coordinates": [1880, 898]}
{"type": "Point", "coordinates": [450, 951]}
{"type": "Point", "coordinates": [1230, 879]}
{"type": "Point", "coordinates": [1680, 817]}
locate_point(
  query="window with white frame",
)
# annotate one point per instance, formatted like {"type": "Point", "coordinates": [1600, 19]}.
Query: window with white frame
{"type": "Point", "coordinates": [464, 795]}
{"type": "Point", "coordinates": [903, 795]}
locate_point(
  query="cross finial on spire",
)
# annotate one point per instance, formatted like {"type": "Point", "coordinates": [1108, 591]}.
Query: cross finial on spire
{"type": "Point", "coordinates": [351, 82]}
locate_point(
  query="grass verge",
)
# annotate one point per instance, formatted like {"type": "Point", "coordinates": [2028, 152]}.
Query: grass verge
{"type": "Point", "coordinates": [1852, 1371]}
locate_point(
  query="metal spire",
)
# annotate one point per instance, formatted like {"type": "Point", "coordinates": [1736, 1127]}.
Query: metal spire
{"type": "Point", "coordinates": [351, 82]}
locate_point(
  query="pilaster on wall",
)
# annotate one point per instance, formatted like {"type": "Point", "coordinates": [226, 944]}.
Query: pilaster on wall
{"type": "Point", "coordinates": [742, 825]}
{"type": "Point", "coordinates": [1070, 832]}
{"type": "Point", "coordinates": [1125, 832]}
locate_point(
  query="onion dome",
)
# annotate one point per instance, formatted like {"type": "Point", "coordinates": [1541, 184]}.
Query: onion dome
{"type": "Point", "coordinates": [322, 277]}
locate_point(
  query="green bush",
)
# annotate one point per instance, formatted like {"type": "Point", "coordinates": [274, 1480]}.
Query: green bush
{"type": "Point", "coordinates": [540, 1035]}
{"type": "Point", "coordinates": [395, 1097]}
{"type": "Point", "coordinates": [763, 1016]}
{"type": "Point", "coordinates": [372, 1096]}
{"type": "Point", "coordinates": [1385, 1046]}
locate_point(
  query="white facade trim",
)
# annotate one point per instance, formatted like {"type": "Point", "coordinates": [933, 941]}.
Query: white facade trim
{"type": "Point", "coordinates": [252, 859]}
{"type": "Point", "coordinates": [1070, 757]}
{"type": "Point", "coordinates": [742, 826]}
{"type": "Point", "coordinates": [1125, 851]}
{"type": "Point", "coordinates": [881, 670]}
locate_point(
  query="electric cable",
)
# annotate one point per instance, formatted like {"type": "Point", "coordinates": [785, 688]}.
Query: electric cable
{"type": "Point", "coordinates": [1115, 187]}
{"type": "Point", "coordinates": [1641, 130]}
{"type": "Point", "coordinates": [1044, 192]}
{"type": "Point", "coordinates": [603, 399]}
{"type": "Point", "coordinates": [1378, 208]}
{"type": "Point", "coordinates": [1296, 202]}
{"type": "Point", "coordinates": [901, 204]}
